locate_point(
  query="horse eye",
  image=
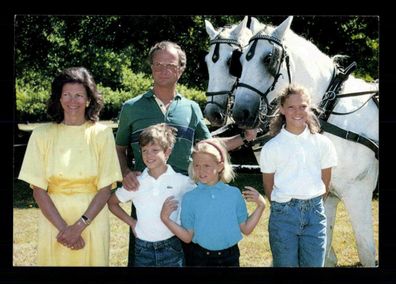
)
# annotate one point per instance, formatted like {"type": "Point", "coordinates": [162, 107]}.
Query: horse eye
{"type": "Point", "coordinates": [229, 61]}
{"type": "Point", "coordinates": [267, 58]}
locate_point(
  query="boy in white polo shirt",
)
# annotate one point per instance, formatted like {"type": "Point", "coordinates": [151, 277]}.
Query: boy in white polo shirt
{"type": "Point", "coordinates": [155, 244]}
{"type": "Point", "coordinates": [296, 166]}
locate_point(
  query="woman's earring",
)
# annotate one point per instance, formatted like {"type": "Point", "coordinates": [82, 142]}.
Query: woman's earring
{"type": "Point", "coordinates": [87, 104]}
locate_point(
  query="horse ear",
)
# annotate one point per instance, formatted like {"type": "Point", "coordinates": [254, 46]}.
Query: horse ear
{"type": "Point", "coordinates": [255, 25]}
{"type": "Point", "coordinates": [244, 21]}
{"type": "Point", "coordinates": [210, 29]}
{"type": "Point", "coordinates": [242, 25]}
{"type": "Point", "coordinates": [280, 30]}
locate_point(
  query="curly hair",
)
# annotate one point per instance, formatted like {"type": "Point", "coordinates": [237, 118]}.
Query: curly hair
{"type": "Point", "coordinates": [79, 75]}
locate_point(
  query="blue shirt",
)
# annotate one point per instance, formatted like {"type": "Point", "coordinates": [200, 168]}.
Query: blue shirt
{"type": "Point", "coordinates": [214, 213]}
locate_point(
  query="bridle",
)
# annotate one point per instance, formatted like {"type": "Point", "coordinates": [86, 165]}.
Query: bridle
{"type": "Point", "coordinates": [234, 71]}
{"type": "Point", "coordinates": [276, 58]}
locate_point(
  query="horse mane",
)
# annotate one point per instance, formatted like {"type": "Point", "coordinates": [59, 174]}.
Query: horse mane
{"type": "Point", "coordinates": [338, 59]}
{"type": "Point", "coordinates": [228, 32]}
{"type": "Point", "coordinates": [311, 67]}
{"type": "Point", "coordinates": [303, 46]}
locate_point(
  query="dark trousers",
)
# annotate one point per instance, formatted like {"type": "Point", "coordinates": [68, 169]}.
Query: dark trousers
{"type": "Point", "coordinates": [131, 251]}
{"type": "Point", "coordinates": [204, 257]}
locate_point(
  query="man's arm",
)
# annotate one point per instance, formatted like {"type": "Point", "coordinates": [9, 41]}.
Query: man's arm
{"type": "Point", "coordinates": [239, 140]}
{"type": "Point", "coordinates": [122, 158]}
{"type": "Point", "coordinates": [129, 180]}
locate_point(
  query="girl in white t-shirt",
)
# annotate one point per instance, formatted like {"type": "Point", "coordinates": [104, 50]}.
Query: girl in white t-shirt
{"type": "Point", "coordinates": [155, 244]}
{"type": "Point", "coordinates": [296, 166]}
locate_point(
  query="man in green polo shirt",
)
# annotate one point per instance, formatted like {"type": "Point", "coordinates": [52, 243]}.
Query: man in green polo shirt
{"type": "Point", "coordinates": [162, 103]}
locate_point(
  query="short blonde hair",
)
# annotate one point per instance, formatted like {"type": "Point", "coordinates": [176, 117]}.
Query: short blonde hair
{"type": "Point", "coordinates": [161, 133]}
{"type": "Point", "coordinates": [217, 149]}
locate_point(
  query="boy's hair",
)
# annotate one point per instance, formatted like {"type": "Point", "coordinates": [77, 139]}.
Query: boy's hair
{"type": "Point", "coordinates": [217, 149]}
{"type": "Point", "coordinates": [161, 134]}
{"type": "Point", "coordinates": [279, 120]}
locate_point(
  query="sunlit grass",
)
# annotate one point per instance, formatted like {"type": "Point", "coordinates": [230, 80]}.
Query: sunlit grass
{"type": "Point", "coordinates": [254, 248]}
{"type": "Point", "coordinates": [255, 251]}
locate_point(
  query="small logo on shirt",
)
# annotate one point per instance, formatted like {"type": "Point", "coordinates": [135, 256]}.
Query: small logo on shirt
{"type": "Point", "coordinates": [169, 187]}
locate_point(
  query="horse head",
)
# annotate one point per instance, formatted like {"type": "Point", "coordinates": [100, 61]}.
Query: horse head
{"type": "Point", "coordinates": [224, 68]}
{"type": "Point", "coordinates": [275, 57]}
{"type": "Point", "coordinates": [263, 64]}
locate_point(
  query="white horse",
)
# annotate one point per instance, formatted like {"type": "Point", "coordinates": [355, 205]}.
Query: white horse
{"type": "Point", "coordinates": [222, 60]}
{"type": "Point", "coordinates": [276, 56]}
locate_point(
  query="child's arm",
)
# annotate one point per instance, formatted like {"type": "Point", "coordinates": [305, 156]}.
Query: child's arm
{"type": "Point", "coordinates": [252, 195]}
{"type": "Point", "coordinates": [114, 206]}
{"type": "Point", "coordinates": [326, 177]}
{"type": "Point", "coordinates": [268, 182]}
{"type": "Point", "coordinates": [170, 205]}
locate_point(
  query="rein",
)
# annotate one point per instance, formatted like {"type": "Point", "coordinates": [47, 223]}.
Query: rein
{"type": "Point", "coordinates": [217, 41]}
{"type": "Point", "coordinates": [329, 101]}
{"type": "Point", "coordinates": [269, 108]}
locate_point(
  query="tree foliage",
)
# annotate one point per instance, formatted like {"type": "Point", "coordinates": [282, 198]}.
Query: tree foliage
{"type": "Point", "coordinates": [108, 45]}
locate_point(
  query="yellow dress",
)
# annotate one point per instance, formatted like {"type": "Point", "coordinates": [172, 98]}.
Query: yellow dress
{"type": "Point", "coordinates": [72, 163]}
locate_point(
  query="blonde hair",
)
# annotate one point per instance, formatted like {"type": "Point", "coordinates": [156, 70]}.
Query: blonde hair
{"type": "Point", "coordinates": [161, 133]}
{"type": "Point", "coordinates": [279, 120]}
{"type": "Point", "coordinates": [217, 149]}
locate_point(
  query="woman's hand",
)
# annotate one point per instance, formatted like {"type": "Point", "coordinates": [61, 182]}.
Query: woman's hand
{"type": "Point", "coordinates": [71, 236]}
{"type": "Point", "coordinates": [77, 245]}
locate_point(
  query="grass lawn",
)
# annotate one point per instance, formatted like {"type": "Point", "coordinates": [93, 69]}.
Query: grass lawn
{"type": "Point", "coordinates": [254, 248]}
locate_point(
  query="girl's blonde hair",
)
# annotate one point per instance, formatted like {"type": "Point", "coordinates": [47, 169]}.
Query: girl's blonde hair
{"type": "Point", "coordinates": [217, 149]}
{"type": "Point", "coordinates": [279, 120]}
{"type": "Point", "coordinates": [162, 134]}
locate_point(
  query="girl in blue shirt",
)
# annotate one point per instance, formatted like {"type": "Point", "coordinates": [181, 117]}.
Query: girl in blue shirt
{"type": "Point", "coordinates": [214, 214]}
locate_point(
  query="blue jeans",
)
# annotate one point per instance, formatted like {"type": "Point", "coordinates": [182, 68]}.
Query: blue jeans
{"type": "Point", "coordinates": [297, 233]}
{"type": "Point", "coordinates": [162, 253]}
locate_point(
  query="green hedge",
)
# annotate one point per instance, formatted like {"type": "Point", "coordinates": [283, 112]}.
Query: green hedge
{"type": "Point", "coordinates": [32, 93]}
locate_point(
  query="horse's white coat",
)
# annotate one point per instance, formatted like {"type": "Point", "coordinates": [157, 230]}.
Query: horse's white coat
{"type": "Point", "coordinates": [355, 177]}
{"type": "Point", "coordinates": [220, 79]}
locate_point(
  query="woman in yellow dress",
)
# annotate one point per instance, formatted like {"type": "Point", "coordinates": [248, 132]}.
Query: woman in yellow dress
{"type": "Point", "coordinates": [71, 164]}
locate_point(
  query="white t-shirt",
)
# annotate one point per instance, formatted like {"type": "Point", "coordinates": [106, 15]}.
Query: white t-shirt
{"type": "Point", "coordinates": [297, 161]}
{"type": "Point", "coordinates": [149, 198]}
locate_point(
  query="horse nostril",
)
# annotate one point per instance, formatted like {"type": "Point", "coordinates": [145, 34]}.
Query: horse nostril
{"type": "Point", "coordinates": [218, 116]}
{"type": "Point", "coordinates": [246, 114]}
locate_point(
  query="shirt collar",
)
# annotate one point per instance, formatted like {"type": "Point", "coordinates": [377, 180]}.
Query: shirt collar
{"type": "Point", "coordinates": [150, 94]}
{"type": "Point", "coordinates": [169, 171]}
{"type": "Point", "coordinates": [303, 134]}
{"type": "Point", "coordinates": [219, 184]}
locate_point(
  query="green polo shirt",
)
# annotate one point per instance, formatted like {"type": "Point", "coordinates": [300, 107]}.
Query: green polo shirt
{"type": "Point", "coordinates": [143, 111]}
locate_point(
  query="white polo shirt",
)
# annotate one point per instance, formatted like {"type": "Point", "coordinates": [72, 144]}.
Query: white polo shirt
{"type": "Point", "coordinates": [149, 198]}
{"type": "Point", "coordinates": [297, 161]}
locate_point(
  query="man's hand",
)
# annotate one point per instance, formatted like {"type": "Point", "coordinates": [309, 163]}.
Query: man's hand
{"type": "Point", "coordinates": [251, 134]}
{"type": "Point", "coordinates": [130, 181]}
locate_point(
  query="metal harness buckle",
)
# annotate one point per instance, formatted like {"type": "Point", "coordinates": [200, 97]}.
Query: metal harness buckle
{"type": "Point", "coordinates": [352, 136]}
